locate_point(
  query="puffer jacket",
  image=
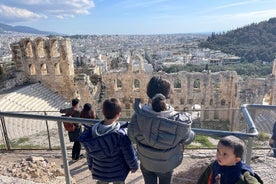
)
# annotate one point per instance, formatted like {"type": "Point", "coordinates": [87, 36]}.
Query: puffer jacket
{"type": "Point", "coordinates": [238, 174]}
{"type": "Point", "coordinates": [160, 137]}
{"type": "Point", "coordinates": [111, 155]}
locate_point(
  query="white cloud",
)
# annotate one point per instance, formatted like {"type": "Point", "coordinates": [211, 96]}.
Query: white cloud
{"type": "Point", "coordinates": [37, 9]}
{"type": "Point", "coordinates": [13, 13]}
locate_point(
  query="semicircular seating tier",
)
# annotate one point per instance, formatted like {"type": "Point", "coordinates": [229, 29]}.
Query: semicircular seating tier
{"type": "Point", "coordinates": [32, 99]}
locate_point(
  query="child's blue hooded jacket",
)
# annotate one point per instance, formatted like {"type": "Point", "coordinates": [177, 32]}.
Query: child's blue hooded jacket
{"type": "Point", "coordinates": [110, 153]}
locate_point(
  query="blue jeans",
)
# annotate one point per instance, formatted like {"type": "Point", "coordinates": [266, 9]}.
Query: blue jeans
{"type": "Point", "coordinates": [151, 177]}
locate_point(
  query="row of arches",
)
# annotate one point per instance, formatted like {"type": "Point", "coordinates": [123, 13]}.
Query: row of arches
{"type": "Point", "coordinates": [119, 84]}
{"type": "Point", "coordinates": [41, 48]}
{"type": "Point", "coordinates": [44, 70]}
{"type": "Point", "coordinates": [196, 84]}
{"type": "Point", "coordinates": [176, 84]}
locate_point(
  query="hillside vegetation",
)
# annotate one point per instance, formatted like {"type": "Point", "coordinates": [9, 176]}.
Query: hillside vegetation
{"type": "Point", "coordinates": [255, 42]}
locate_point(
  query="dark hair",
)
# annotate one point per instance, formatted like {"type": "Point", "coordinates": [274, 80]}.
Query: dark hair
{"type": "Point", "coordinates": [235, 143]}
{"type": "Point", "coordinates": [75, 101]}
{"type": "Point", "coordinates": [87, 112]}
{"type": "Point", "coordinates": [159, 85]}
{"type": "Point", "coordinates": [111, 107]}
{"type": "Point", "coordinates": [87, 107]}
{"type": "Point", "coordinates": [158, 102]}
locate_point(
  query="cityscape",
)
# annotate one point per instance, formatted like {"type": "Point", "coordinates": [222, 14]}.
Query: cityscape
{"type": "Point", "coordinates": [217, 57]}
{"type": "Point", "coordinates": [125, 63]}
{"type": "Point", "coordinates": [162, 50]}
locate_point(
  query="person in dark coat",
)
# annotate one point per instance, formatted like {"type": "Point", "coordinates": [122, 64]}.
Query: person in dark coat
{"type": "Point", "coordinates": [272, 140]}
{"type": "Point", "coordinates": [74, 111]}
{"type": "Point", "coordinates": [87, 112]}
{"type": "Point", "coordinates": [111, 153]}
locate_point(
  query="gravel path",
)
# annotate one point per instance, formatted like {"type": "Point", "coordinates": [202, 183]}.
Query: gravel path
{"type": "Point", "coordinates": [186, 173]}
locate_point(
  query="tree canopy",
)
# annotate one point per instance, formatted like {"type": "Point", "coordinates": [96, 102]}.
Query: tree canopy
{"type": "Point", "coordinates": [255, 42]}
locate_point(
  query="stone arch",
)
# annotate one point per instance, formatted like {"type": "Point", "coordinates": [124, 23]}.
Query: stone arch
{"type": "Point", "coordinates": [223, 102]}
{"type": "Point", "coordinates": [197, 83]}
{"type": "Point", "coordinates": [43, 69]}
{"type": "Point", "coordinates": [119, 84]}
{"type": "Point", "coordinates": [137, 63]}
{"type": "Point", "coordinates": [177, 83]}
{"type": "Point", "coordinates": [55, 48]}
{"type": "Point", "coordinates": [29, 50]}
{"type": "Point", "coordinates": [57, 69]}
{"type": "Point", "coordinates": [136, 84]}
{"type": "Point", "coordinates": [267, 100]}
{"type": "Point", "coordinates": [40, 48]}
{"type": "Point", "coordinates": [32, 69]}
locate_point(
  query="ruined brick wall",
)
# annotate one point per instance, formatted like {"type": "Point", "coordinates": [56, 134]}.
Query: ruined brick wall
{"type": "Point", "coordinates": [47, 60]}
{"type": "Point", "coordinates": [209, 90]}
{"type": "Point", "coordinates": [50, 61]}
{"type": "Point", "coordinates": [253, 91]}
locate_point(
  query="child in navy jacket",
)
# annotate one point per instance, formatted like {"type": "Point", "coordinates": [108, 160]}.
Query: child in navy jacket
{"type": "Point", "coordinates": [110, 153]}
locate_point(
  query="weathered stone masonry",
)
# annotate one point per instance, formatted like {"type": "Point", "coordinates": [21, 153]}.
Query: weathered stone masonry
{"type": "Point", "coordinates": [50, 61]}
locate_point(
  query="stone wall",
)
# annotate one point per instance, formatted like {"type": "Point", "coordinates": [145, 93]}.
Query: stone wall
{"type": "Point", "coordinates": [50, 61]}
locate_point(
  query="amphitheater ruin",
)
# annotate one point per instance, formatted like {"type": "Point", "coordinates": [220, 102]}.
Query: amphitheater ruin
{"type": "Point", "coordinates": [49, 61]}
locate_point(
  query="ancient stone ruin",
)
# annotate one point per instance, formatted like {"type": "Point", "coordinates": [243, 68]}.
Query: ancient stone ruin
{"type": "Point", "coordinates": [50, 61]}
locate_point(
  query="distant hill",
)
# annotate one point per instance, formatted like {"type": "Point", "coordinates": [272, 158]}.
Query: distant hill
{"type": "Point", "coordinates": [255, 42]}
{"type": "Point", "coordinates": [23, 29]}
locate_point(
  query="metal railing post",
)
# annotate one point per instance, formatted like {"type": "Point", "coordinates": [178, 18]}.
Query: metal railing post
{"type": "Point", "coordinates": [48, 132]}
{"type": "Point", "coordinates": [5, 133]}
{"type": "Point", "coordinates": [64, 153]}
{"type": "Point", "coordinates": [249, 150]}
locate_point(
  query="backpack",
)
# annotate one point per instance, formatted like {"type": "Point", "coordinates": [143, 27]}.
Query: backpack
{"type": "Point", "coordinates": [70, 127]}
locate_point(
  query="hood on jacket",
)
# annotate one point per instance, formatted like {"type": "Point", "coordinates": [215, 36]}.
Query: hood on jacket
{"type": "Point", "coordinates": [99, 129]}
{"type": "Point", "coordinates": [167, 113]}
{"type": "Point", "coordinates": [163, 130]}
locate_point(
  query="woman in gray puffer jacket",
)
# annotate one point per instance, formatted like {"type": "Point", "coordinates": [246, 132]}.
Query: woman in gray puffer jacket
{"type": "Point", "coordinates": [160, 133]}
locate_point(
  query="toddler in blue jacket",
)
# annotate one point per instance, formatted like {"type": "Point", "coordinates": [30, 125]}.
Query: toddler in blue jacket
{"type": "Point", "coordinates": [228, 168]}
{"type": "Point", "coordinates": [110, 153]}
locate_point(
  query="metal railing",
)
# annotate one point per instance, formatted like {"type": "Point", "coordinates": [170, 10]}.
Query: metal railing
{"type": "Point", "coordinates": [253, 132]}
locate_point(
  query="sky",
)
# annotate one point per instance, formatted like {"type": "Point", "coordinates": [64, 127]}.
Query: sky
{"type": "Point", "coordinates": [135, 16]}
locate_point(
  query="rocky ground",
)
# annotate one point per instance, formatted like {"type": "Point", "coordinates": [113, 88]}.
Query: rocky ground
{"type": "Point", "coordinates": [28, 167]}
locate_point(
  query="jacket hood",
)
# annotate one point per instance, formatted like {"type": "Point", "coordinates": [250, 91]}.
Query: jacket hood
{"type": "Point", "coordinates": [169, 112]}
{"type": "Point", "coordinates": [164, 130]}
{"type": "Point", "coordinates": [99, 129]}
